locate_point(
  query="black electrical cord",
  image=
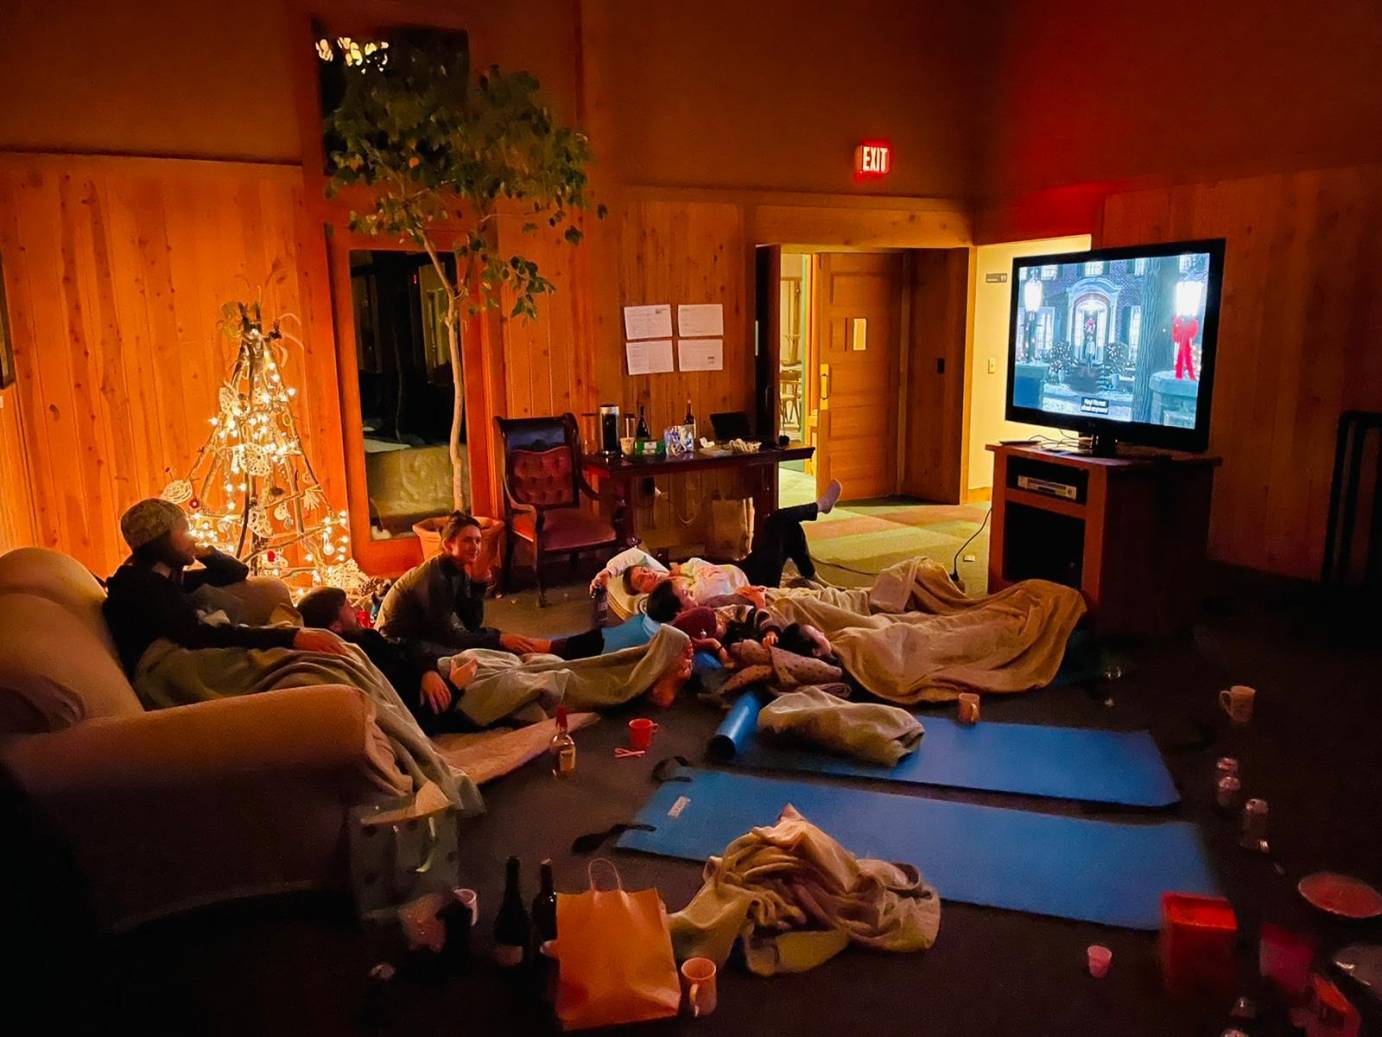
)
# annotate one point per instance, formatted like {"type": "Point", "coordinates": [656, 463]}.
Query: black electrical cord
{"type": "Point", "coordinates": [955, 561]}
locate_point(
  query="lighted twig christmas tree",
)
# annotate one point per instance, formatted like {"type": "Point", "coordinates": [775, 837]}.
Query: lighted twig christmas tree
{"type": "Point", "coordinates": [252, 492]}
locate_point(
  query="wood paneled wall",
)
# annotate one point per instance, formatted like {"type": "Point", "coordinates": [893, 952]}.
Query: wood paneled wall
{"type": "Point", "coordinates": [933, 440]}
{"type": "Point", "coordinates": [1299, 333]}
{"type": "Point", "coordinates": [16, 496]}
{"type": "Point", "coordinates": [116, 270]}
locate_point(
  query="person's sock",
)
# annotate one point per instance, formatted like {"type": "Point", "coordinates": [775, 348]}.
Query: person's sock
{"type": "Point", "coordinates": [825, 503]}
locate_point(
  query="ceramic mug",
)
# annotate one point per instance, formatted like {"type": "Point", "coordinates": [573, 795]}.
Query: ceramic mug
{"type": "Point", "coordinates": [641, 732]}
{"type": "Point", "coordinates": [1237, 703]}
{"type": "Point", "coordinates": [969, 707]}
{"type": "Point", "coordinates": [698, 983]}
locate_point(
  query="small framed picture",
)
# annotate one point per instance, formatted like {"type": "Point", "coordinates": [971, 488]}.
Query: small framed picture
{"type": "Point", "coordinates": [6, 343]}
{"type": "Point", "coordinates": [679, 440]}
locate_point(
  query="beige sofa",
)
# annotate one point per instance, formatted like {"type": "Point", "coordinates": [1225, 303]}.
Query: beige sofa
{"type": "Point", "coordinates": [172, 809]}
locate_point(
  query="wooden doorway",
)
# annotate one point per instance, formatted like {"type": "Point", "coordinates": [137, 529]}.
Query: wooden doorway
{"type": "Point", "coordinates": [857, 316]}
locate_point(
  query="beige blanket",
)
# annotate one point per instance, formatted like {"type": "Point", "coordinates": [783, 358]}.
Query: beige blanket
{"type": "Point", "coordinates": [168, 675]}
{"type": "Point", "coordinates": [914, 636]}
{"type": "Point", "coordinates": [796, 898]}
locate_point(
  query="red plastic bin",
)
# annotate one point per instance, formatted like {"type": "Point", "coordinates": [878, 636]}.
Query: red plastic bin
{"type": "Point", "coordinates": [1197, 937]}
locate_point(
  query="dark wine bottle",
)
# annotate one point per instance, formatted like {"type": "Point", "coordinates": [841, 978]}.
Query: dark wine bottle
{"type": "Point", "coordinates": [511, 924]}
{"type": "Point", "coordinates": [545, 907]}
{"type": "Point", "coordinates": [643, 432]}
{"type": "Point", "coordinates": [690, 419]}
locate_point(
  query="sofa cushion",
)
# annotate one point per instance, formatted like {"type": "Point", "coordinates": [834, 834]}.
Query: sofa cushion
{"type": "Point", "coordinates": [55, 670]}
{"type": "Point", "coordinates": [62, 580]}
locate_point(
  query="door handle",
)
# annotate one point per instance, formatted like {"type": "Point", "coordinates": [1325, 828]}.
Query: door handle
{"type": "Point", "coordinates": [825, 385]}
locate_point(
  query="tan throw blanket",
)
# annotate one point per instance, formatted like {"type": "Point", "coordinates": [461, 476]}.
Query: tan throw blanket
{"type": "Point", "coordinates": [867, 731]}
{"type": "Point", "coordinates": [914, 636]}
{"type": "Point", "coordinates": [797, 898]}
{"type": "Point", "coordinates": [168, 675]}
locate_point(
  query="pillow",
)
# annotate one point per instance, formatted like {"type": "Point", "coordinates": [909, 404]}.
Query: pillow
{"type": "Point", "coordinates": [54, 670]}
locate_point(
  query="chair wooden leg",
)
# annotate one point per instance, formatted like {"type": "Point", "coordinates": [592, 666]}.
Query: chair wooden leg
{"type": "Point", "coordinates": [537, 575]}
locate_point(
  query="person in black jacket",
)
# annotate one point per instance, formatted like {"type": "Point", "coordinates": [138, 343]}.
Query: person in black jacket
{"type": "Point", "coordinates": [148, 597]}
{"type": "Point", "coordinates": [410, 666]}
{"type": "Point", "coordinates": [442, 601]}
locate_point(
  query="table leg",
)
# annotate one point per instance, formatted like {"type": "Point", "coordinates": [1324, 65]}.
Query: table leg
{"type": "Point", "coordinates": [623, 511]}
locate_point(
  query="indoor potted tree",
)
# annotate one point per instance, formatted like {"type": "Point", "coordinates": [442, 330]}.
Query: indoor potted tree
{"type": "Point", "coordinates": [443, 155]}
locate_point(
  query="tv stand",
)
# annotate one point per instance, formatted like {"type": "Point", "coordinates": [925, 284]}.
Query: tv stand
{"type": "Point", "coordinates": [1129, 532]}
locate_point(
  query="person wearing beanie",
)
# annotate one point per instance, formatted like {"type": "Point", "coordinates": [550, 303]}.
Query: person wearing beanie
{"type": "Point", "coordinates": [148, 597]}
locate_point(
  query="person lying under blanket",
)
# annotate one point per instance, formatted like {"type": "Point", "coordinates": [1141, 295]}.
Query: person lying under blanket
{"type": "Point", "coordinates": [706, 583]}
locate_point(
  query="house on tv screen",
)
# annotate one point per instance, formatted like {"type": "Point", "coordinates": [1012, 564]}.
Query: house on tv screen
{"type": "Point", "coordinates": [1117, 339]}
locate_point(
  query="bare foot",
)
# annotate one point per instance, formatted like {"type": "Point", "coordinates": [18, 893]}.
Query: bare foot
{"type": "Point", "coordinates": [462, 673]}
{"type": "Point", "coordinates": [826, 502]}
{"type": "Point", "coordinates": [664, 692]}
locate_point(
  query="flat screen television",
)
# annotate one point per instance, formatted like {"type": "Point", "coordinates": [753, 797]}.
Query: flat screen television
{"type": "Point", "coordinates": [1117, 343]}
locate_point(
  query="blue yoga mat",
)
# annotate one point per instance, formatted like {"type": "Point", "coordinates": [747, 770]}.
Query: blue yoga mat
{"type": "Point", "coordinates": [1091, 871]}
{"type": "Point", "coordinates": [1093, 766]}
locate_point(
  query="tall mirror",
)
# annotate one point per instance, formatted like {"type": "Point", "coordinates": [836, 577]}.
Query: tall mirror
{"type": "Point", "coordinates": [407, 387]}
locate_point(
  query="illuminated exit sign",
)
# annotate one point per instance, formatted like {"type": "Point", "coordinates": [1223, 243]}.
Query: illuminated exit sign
{"type": "Point", "coordinates": [873, 158]}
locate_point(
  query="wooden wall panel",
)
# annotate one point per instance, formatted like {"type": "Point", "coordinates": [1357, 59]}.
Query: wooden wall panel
{"type": "Point", "coordinates": [117, 270]}
{"type": "Point", "coordinates": [934, 455]}
{"type": "Point", "coordinates": [674, 252]}
{"type": "Point", "coordinates": [1300, 321]}
{"type": "Point", "coordinates": [16, 499]}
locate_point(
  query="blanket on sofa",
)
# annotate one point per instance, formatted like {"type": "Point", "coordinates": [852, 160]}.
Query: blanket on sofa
{"type": "Point", "coordinates": [915, 637]}
{"type": "Point", "coordinates": [168, 675]}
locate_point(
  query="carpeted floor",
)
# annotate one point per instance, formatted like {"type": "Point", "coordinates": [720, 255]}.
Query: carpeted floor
{"type": "Point", "coordinates": [298, 965]}
{"type": "Point", "coordinates": [861, 538]}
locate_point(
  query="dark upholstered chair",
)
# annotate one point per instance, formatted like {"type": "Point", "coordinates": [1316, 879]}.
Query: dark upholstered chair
{"type": "Point", "coordinates": [542, 494]}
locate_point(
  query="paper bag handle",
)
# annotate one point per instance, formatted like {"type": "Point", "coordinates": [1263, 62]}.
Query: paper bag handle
{"type": "Point", "coordinates": [590, 872]}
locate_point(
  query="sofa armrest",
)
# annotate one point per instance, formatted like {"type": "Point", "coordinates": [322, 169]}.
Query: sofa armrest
{"type": "Point", "coordinates": [199, 803]}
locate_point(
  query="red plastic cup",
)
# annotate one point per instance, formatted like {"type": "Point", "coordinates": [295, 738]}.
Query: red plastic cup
{"type": "Point", "coordinates": [641, 733]}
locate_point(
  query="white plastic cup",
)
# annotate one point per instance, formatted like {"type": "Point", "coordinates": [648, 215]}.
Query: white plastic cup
{"type": "Point", "coordinates": [471, 900]}
{"type": "Point", "coordinates": [1099, 960]}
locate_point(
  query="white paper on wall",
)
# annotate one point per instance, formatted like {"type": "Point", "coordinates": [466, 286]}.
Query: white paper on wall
{"type": "Point", "coordinates": [649, 357]}
{"type": "Point", "coordinates": [700, 354]}
{"type": "Point", "coordinates": [700, 320]}
{"type": "Point", "coordinates": [642, 322]}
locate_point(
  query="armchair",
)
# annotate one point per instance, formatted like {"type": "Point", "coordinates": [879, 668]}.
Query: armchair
{"type": "Point", "coordinates": [542, 494]}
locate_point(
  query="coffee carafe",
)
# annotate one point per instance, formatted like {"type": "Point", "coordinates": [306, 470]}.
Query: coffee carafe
{"type": "Point", "coordinates": [609, 429]}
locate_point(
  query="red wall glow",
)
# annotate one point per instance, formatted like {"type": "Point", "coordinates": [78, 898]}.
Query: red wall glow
{"type": "Point", "coordinates": [872, 159]}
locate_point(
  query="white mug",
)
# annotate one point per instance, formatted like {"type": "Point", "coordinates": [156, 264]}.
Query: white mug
{"type": "Point", "coordinates": [1237, 703]}
{"type": "Point", "coordinates": [698, 981]}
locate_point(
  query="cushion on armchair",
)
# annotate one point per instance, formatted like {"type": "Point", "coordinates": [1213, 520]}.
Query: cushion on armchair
{"type": "Point", "coordinates": [541, 477]}
{"type": "Point", "coordinates": [565, 529]}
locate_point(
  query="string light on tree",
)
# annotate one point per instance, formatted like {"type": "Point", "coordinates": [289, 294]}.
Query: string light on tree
{"type": "Point", "coordinates": [252, 491]}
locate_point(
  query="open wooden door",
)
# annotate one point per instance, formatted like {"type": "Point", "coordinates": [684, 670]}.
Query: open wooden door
{"type": "Point", "coordinates": [858, 310]}
{"type": "Point", "coordinates": [767, 344]}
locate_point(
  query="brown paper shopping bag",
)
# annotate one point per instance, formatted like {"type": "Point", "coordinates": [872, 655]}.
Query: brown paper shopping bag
{"type": "Point", "coordinates": [615, 957]}
{"type": "Point", "coordinates": [731, 528]}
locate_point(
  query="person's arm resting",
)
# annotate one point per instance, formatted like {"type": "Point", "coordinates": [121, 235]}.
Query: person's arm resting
{"type": "Point", "coordinates": [171, 616]}
{"type": "Point", "coordinates": [625, 560]}
{"type": "Point", "coordinates": [221, 570]}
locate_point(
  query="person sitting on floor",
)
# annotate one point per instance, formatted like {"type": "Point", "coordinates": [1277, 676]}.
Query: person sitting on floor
{"type": "Point", "coordinates": [149, 597]}
{"type": "Point", "coordinates": [410, 667]}
{"type": "Point", "coordinates": [442, 601]}
{"type": "Point", "coordinates": [707, 583]}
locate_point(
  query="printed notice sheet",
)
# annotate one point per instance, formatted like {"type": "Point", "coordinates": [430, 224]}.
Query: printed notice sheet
{"type": "Point", "coordinates": [648, 321]}
{"type": "Point", "coordinates": [700, 320]}
{"type": "Point", "coordinates": [651, 357]}
{"type": "Point", "coordinates": [700, 354]}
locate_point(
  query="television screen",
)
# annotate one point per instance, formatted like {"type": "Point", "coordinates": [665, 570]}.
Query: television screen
{"type": "Point", "coordinates": [1117, 342]}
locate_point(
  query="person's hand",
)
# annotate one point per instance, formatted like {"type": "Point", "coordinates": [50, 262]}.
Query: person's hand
{"type": "Point", "coordinates": [769, 639]}
{"type": "Point", "coordinates": [520, 645]}
{"type": "Point", "coordinates": [310, 639]}
{"type": "Point", "coordinates": [435, 692]}
{"type": "Point", "coordinates": [601, 580]}
{"type": "Point", "coordinates": [756, 595]}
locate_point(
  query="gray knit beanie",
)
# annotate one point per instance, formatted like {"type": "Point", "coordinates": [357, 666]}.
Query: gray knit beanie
{"type": "Point", "coordinates": [148, 520]}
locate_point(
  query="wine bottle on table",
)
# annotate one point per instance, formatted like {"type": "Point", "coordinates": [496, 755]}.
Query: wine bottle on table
{"type": "Point", "coordinates": [690, 419]}
{"type": "Point", "coordinates": [511, 925]}
{"type": "Point", "coordinates": [643, 432]}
